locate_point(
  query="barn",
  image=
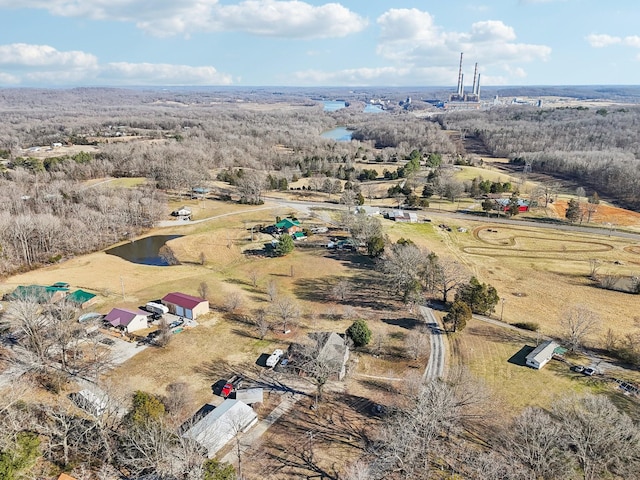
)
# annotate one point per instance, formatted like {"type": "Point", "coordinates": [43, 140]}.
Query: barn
{"type": "Point", "coordinates": [502, 204]}
{"type": "Point", "coordinates": [185, 305]}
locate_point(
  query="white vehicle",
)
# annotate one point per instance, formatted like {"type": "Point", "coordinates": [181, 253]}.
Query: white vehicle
{"type": "Point", "coordinates": [274, 358]}
{"type": "Point", "coordinates": [156, 308]}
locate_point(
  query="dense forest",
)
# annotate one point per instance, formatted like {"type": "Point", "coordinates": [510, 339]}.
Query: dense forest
{"type": "Point", "coordinates": [598, 147]}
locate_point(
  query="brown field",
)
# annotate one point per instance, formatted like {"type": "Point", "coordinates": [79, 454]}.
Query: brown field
{"type": "Point", "coordinates": [605, 215]}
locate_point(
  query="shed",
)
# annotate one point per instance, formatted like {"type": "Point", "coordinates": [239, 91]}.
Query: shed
{"type": "Point", "coordinates": [366, 210]}
{"type": "Point", "coordinates": [541, 355]}
{"type": "Point", "coordinates": [185, 305]}
{"type": "Point", "coordinates": [250, 395]}
{"type": "Point", "coordinates": [127, 320]}
{"type": "Point", "coordinates": [81, 298]}
{"type": "Point", "coordinates": [39, 293]}
{"type": "Point", "coordinates": [217, 428]}
{"type": "Point", "coordinates": [502, 204]}
{"type": "Point", "coordinates": [181, 212]}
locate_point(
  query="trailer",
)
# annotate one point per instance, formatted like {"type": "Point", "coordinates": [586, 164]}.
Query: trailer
{"type": "Point", "coordinates": [274, 358]}
{"type": "Point", "coordinates": [158, 308]}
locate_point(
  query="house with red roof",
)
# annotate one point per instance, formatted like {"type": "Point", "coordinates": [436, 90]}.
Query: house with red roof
{"type": "Point", "coordinates": [185, 305]}
{"type": "Point", "coordinates": [127, 320]}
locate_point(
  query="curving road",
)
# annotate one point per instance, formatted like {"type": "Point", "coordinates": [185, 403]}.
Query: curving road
{"type": "Point", "coordinates": [436, 365]}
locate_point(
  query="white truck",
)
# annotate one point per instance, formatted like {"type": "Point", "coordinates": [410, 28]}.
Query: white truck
{"type": "Point", "coordinates": [274, 358]}
{"type": "Point", "coordinates": [158, 308]}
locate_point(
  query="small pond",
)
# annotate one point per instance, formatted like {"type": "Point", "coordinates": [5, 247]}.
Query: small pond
{"type": "Point", "coordinates": [145, 251]}
{"type": "Point", "coordinates": [339, 134]}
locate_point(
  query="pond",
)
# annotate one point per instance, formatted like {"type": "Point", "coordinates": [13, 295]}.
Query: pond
{"type": "Point", "coordinates": [145, 251]}
{"type": "Point", "coordinates": [339, 134]}
{"type": "Point", "coordinates": [373, 109]}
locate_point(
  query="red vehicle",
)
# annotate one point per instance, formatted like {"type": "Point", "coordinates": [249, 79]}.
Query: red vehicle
{"type": "Point", "coordinates": [226, 390]}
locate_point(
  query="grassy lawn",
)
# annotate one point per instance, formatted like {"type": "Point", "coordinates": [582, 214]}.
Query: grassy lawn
{"type": "Point", "coordinates": [492, 354]}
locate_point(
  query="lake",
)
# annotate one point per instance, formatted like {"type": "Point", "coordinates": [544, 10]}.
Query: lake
{"type": "Point", "coordinates": [339, 134]}
{"type": "Point", "coordinates": [333, 105]}
{"type": "Point", "coordinates": [145, 251]}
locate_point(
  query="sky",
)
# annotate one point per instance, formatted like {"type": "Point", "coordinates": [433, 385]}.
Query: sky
{"type": "Point", "coordinates": [61, 43]}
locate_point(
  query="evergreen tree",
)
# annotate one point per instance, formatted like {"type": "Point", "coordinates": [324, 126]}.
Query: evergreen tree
{"type": "Point", "coordinates": [480, 297]}
{"type": "Point", "coordinates": [285, 245]}
{"type": "Point", "coordinates": [573, 210]}
{"type": "Point", "coordinates": [359, 332]}
{"type": "Point", "coordinates": [458, 316]}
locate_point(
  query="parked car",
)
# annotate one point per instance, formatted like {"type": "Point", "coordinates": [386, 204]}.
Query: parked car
{"type": "Point", "coordinates": [589, 371]}
{"type": "Point", "coordinates": [578, 368]}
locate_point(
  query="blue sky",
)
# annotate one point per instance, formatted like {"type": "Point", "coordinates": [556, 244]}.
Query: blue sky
{"type": "Point", "coordinates": [318, 43]}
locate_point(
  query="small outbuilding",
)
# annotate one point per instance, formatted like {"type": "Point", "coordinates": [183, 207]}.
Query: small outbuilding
{"type": "Point", "coordinates": [90, 402]}
{"type": "Point", "coordinates": [81, 298]}
{"type": "Point", "coordinates": [185, 305]}
{"type": "Point", "coordinates": [541, 355]}
{"type": "Point", "coordinates": [127, 320]}
{"type": "Point", "coordinates": [217, 428]}
{"type": "Point", "coordinates": [181, 212]}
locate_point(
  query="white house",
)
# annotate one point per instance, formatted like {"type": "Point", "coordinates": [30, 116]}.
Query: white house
{"type": "Point", "coordinates": [541, 355]}
{"type": "Point", "coordinates": [181, 212]}
{"type": "Point", "coordinates": [366, 210]}
{"type": "Point", "coordinates": [221, 425]}
{"type": "Point", "coordinates": [127, 320]}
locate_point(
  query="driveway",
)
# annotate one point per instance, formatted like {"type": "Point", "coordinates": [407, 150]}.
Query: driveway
{"type": "Point", "coordinates": [437, 356]}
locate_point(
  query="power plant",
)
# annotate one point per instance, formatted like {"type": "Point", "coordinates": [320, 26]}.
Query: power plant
{"type": "Point", "coordinates": [465, 100]}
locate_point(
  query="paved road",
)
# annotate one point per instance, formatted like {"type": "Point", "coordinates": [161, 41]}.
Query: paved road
{"type": "Point", "coordinates": [433, 213]}
{"type": "Point", "coordinates": [436, 365]}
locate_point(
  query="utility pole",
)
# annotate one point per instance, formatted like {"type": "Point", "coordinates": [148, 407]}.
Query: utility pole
{"type": "Point", "coordinates": [502, 309]}
{"type": "Point", "coordinates": [122, 285]}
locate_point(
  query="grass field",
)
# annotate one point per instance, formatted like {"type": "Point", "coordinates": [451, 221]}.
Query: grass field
{"type": "Point", "coordinates": [492, 354]}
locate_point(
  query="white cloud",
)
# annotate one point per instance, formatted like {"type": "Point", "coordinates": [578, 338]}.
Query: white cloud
{"type": "Point", "coordinates": [418, 51]}
{"type": "Point", "coordinates": [603, 40]}
{"type": "Point", "coordinates": [42, 64]}
{"type": "Point", "coordinates": [412, 36]}
{"type": "Point", "coordinates": [25, 55]}
{"type": "Point", "coordinates": [276, 18]}
{"type": "Point", "coordinates": [161, 74]}
{"type": "Point", "coordinates": [293, 19]}
{"type": "Point", "coordinates": [632, 41]}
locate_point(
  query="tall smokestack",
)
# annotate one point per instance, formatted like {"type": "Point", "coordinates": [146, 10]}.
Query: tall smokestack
{"type": "Point", "coordinates": [478, 88]}
{"type": "Point", "coordinates": [460, 76]}
{"type": "Point", "coordinates": [462, 85]}
{"type": "Point", "coordinates": [475, 77]}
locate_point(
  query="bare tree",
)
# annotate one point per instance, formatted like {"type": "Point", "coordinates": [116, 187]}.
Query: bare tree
{"type": "Point", "coordinates": [341, 290]}
{"type": "Point", "coordinates": [164, 336]}
{"type": "Point", "coordinates": [577, 323]}
{"type": "Point", "coordinates": [286, 310]}
{"type": "Point", "coordinates": [233, 302]}
{"type": "Point", "coordinates": [204, 290]}
{"type": "Point", "coordinates": [254, 277]}
{"type": "Point", "coordinates": [251, 185]}
{"type": "Point", "coordinates": [536, 440]}
{"type": "Point", "coordinates": [416, 344]}
{"type": "Point", "coordinates": [272, 290]}
{"type": "Point", "coordinates": [447, 275]}
{"type": "Point", "coordinates": [604, 440]}
{"type": "Point", "coordinates": [262, 323]}
{"type": "Point", "coordinates": [179, 399]}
